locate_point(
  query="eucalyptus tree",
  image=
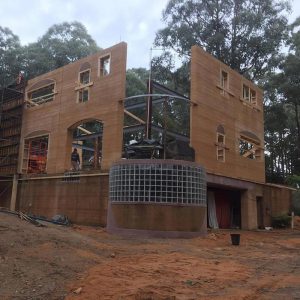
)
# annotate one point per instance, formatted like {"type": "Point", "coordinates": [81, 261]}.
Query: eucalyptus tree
{"type": "Point", "coordinates": [10, 56]}
{"type": "Point", "coordinates": [247, 35]}
{"type": "Point", "coordinates": [61, 44]}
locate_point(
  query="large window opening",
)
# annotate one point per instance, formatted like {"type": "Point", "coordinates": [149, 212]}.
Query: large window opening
{"type": "Point", "coordinates": [249, 146]}
{"type": "Point", "coordinates": [87, 139]}
{"type": "Point", "coordinates": [157, 125]}
{"type": "Point", "coordinates": [41, 95]}
{"type": "Point", "coordinates": [35, 155]}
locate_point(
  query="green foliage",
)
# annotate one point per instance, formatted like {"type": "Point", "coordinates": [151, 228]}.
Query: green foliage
{"type": "Point", "coordinates": [36, 60]}
{"type": "Point", "coordinates": [165, 72]}
{"type": "Point", "coordinates": [177, 112]}
{"type": "Point", "coordinates": [283, 221]}
{"type": "Point", "coordinates": [247, 36]}
{"type": "Point", "coordinates": [136, 81]}
{"type": "Point", "coordinates": [294, 181]}
{"type": "Point", "coordinates": [279, 142]}
{"type": "Point", "coordinates": [282, 114]}
{"type": "Point", "coordinates": [244, 34]}
{"type": "Point", "coordinates": [10, 56]}
{"type": "Point", "coordinates": [136, 84]}
{"type": "Point", "coordinates": [61, 44]}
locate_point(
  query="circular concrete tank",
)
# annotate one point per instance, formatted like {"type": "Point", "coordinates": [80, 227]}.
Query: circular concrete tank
{"type": "Point", "coordinates": [159, 198]}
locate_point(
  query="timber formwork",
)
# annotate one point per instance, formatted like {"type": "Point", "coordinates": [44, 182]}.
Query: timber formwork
{"type": "Point", "coordinates": [224, 127]}
{"type": "Point", "coordinates": [11, 110]}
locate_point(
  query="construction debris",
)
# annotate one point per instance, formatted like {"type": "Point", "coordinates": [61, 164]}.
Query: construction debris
{"type": "Point", "coordinates": [57, 219]}
{"type": "Point", "coordinates": [31, 220]}
{"type": "Point", "coordinates": [78, 291]}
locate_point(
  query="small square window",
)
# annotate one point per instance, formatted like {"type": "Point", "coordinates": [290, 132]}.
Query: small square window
{"type": "Point", "coordinates": [104, 66]}
{"type": "Point", "coordinates": [83, 95]}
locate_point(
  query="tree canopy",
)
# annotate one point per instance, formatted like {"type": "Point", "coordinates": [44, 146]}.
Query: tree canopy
{"type": "Point", "coordinates": [10, 56]}
{"type": "Point", "coordinates": [282, 113]}
{"type": "Point", "coordinates": [61, 44]}
{"type": "Point", "coordinates": [245, 34]}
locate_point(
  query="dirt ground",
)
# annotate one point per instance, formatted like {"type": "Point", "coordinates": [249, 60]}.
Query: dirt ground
{"type": "Point", "coordinates": [79, 262]}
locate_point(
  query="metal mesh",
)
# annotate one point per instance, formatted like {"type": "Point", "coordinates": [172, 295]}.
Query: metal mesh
{"type": "Point", "coordinates": [158, 182]}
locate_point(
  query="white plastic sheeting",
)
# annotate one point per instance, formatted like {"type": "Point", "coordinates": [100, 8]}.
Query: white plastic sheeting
{"type": "Point", "coordinates": [211, 208]}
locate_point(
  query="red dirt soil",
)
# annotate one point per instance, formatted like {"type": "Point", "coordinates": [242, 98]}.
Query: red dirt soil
{"type": "Point", "coordinates": [81, 262]}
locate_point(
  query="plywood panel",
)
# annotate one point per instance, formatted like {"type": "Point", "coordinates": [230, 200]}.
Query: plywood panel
{"type": "Point", "coordinates": [215, 109]}
{"type": "Point", "coordinates": [63, 112]}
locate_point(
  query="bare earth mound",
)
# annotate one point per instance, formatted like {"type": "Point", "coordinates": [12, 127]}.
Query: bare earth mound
{"type": "Point", "coordinates": [56, 262]}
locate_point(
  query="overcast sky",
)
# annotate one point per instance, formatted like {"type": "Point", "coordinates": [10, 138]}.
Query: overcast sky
{"type": "Point", "coordinates": [108, 22]}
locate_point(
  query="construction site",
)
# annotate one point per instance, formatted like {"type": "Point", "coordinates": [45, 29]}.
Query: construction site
{"type": "Point", "coordinates": [137, 172]}
{"type": "Point", "coordinates": [140, 172]}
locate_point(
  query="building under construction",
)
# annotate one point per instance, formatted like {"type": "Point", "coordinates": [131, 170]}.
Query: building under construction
{"type": "Point", "coordinates": [138, 171]}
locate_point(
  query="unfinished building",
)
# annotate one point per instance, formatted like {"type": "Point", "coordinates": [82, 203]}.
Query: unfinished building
{"type": "Point", "coordinates": [82, 105]}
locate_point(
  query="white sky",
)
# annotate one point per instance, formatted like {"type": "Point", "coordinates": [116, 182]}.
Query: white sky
{"type": "Point", "coordinates": [108, 22]}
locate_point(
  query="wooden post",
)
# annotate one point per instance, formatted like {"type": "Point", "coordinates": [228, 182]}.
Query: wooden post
{"type": "Point", "coordinates": [14, 191]}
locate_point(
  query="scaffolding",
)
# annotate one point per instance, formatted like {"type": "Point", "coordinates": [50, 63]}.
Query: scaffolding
{"type": "Point", "coordinates": [35, 155]}
{"type": "Point", "coordinates": [11, 110]}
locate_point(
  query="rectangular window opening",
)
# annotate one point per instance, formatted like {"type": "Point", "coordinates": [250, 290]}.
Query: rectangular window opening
{"type": "Point", "coordinates": [224, 82]}
{"type": "Point", "coordinates": [220, 147]}
{"type": "Point", "coordinates": [83, 95]}
{"type": "Point", "coordinates": [246, 93]}
{"type": "Point", "coordinates": [249, 95]}
{"type": "Point", "coordinates": [35, 155]}
{"type": "Point", "coordinates": [42, 95]}
{"type": "Point", "coordinates": [105, 66]}
{"type": "Point", "coordinates": [249, 149]}
{"type": "Point", "coordinates": [84, 77]}
{"type": "Point", "coordinates": [253, 97]}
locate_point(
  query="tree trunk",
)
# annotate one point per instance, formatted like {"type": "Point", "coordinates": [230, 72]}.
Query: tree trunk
{"type": "Point", "coordinates": [297, 158]}
{"type": "Point", "coordinates": [233, 40]}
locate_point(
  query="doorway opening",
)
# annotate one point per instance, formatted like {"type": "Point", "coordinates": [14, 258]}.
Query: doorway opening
{"type": "Point", "coordinates": [260, 216]}
{"type": "Point", "coordinates": [87, 139]}
{"type": "Point", "coordinates": [224, 208]}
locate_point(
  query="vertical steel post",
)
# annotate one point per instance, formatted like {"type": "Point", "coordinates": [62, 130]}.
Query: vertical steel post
{"type": "Point", "coordinates": [165, 125]}
{"type": "Point", "coordinates": [149, 111]}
